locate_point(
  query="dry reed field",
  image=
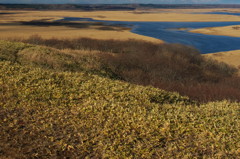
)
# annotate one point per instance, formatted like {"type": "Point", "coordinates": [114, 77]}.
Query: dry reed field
{"type": "Point", "coordinates": [23, 31]}
{"type": "Point", "coordinates": [232, 30]}
{"type": "Point", "coordinates": [15, 24]}
{"type": "Point", "coordinates": [171, 16]}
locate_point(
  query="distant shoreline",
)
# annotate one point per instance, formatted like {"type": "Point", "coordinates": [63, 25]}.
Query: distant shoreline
{"type": "Point", "coordinates": [115, 7]}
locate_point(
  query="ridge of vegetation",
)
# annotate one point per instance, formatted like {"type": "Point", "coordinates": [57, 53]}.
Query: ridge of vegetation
{"type": "Point", "coordinates": [171, 67]}
{"type": "Point", "coordinates": [53, 105]}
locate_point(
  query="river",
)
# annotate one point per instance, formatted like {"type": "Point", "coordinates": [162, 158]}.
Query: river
{"type": "Point", "coordinates": [160, 30]}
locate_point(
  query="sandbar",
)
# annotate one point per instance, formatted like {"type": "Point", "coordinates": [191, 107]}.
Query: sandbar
{"type": "Point", "coordinates": [200, 10]}
{"type": "Point", "coordinates": [181, 29]}
{"type": "Point", "coordinates": [20, 31]}
{"type": "Point", "coordinates": [233, 30]}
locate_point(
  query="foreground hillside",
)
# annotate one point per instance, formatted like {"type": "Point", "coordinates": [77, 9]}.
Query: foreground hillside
{"type": "Point", "coordinates": [52, 109]}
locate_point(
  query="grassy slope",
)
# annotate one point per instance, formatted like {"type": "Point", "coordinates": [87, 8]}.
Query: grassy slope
{"type": "Point", "coordinates": [73, 113]}
{"type": "Point", "coordinates": [171, 67]}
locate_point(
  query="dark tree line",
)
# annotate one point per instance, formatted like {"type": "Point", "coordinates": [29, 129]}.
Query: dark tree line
{"type": "Point", "coordinates": [91, 7]}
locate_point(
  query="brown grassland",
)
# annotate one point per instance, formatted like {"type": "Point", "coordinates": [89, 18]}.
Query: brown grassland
{"type": "Point", "coordinates": [67, 94]}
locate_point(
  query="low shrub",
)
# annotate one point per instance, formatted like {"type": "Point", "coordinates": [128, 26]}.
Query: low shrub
{"type": "Point", "coordinates": [172, 67]}
{"type": "Point", "coordinates": [106, 28]}
{"type": "Point", "coordinates": [49, 114]}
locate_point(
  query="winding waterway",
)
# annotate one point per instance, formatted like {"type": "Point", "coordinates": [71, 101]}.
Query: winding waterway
{"type": "Point", "coordinates": [160, 30]}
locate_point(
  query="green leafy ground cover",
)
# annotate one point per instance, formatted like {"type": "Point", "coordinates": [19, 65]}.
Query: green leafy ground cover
{"type": "Point", "coordinates": [49, 113]}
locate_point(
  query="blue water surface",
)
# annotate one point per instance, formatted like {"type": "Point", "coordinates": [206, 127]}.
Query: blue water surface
{"type": "Point", "coordinates": [226, 13]}
{"type": "Point", "coordinates": [204, 43]}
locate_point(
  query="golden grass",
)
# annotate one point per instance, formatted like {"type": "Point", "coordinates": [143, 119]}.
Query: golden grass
{"type": "Point", "coordinates": [200, 10]}
{"type": "Point", "coordinates": [14, 16]}
{"type": "Point", "coordinates": [122, 16]}
{"type": "Point", "coordinates": [67, 32]}
{"type": "Point", "coordinates": [12, 28]}
{"type": "Point", "coordinates": [232, 30]}
{"type": "Point", "coordinates": [229, 57]}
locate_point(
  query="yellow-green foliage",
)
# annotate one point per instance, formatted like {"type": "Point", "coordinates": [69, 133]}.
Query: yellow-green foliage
{"type": "Point", "coordinates": [9, 50]}
{"type": "Point", "coordinates": [49, 114]}
{"type": "Point", "coordinates": [44, 113]}
{"type": "Point", "coordinates": [53, 59]}
{"type": "Point", "coordinates": [46, 57]}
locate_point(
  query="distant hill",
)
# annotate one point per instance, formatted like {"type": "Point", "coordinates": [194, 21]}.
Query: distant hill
{"type": "Point", "coordinates": [92, 7]}
{"type": "Point", "coordinates": [66, 7]}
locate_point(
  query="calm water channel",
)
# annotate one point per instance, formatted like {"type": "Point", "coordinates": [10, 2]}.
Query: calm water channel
{"type": "Point", "coordinates": [205, 43]}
